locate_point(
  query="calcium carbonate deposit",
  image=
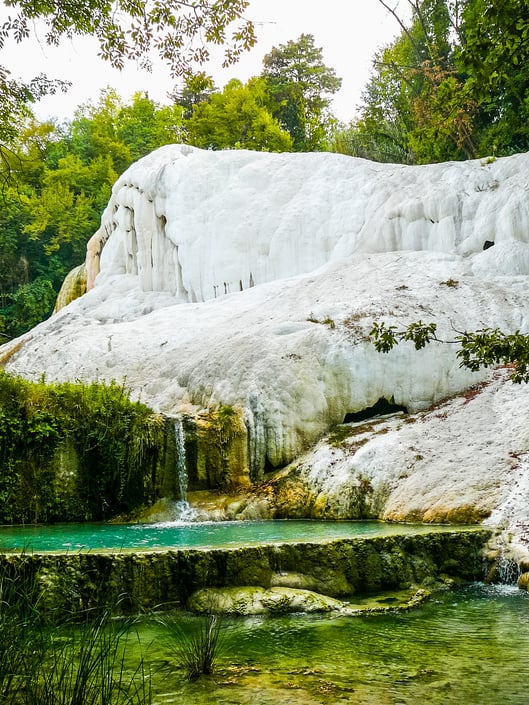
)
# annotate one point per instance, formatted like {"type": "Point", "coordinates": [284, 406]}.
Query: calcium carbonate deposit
{"type": "Point", "coordinates": [252, 280]}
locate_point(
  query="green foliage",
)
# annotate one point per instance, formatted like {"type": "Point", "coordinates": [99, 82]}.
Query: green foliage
{"type": "Point", "coordinates": [23, 638]}
{"type": "Point", "coordinates": [225, 426]}
{"type": "Point", "coordinates": [179, 32]}
{"type": "Point", "coordinates": [30, 304]}
{"type": "Point", "coordinates": [196, 646]}
{"type": "Point", "coordinates": [15, 99]}
{"type": "Point", "coordinates": [495, 57]}
{"type": "Point", "coordinates": [237, 118]}
{"type": "Point", "coordinates": [77, 167]}
{"type": "Point", "coordinates": [444, 120]}
{"type": "Point", "coordinates": [88, 668]}
{"type": "Point", "coordinates": [386, 337]}
{"type": "Point", "coordinates": [64, 182]}
{"type": "Point", "coordinates": [197, 88]}
{"type": "Point", "coordinates": [382, 130]}
{"type": "Point", "coordinates": [487, 347]}
{"type": "Point", "coordinates": [453, 85]}
{"type": "Point", "coordinates": [73, 451]}
{"type": "Point", "coordinates": [412, 104]}
{"type": "Point", "coordinates": [300, 89]}
{"type": "Point", "coordinates": [42, 663]}
{"type": "Point", "coordinates": [490, 347]}
{"type": "Point", "coordinates": [145, 126]}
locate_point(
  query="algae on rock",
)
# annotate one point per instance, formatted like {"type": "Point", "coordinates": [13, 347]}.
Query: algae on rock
{"type": "Point", "coordinates": [73, 286]}
{"type": "Point", "coordinates": [217, 450]}
{"type": "Point", "coordinates": [145, 580]}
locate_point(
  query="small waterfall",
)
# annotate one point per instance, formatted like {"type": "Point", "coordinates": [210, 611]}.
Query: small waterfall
{"type": "Point", "coordinates": [510, 518]}
{"type": "Point", "coordinates": [508, 570]}
{"type": "Point", "coordinates": [184, 511]}
{"type": "Point", "coordinates": [507, 566]}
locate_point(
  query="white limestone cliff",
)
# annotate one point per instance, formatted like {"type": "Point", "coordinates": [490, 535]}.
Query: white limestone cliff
{"type": "Point", "coordinates": [252, 280]}
{"type": "Point", "coordinates": [201, 224]}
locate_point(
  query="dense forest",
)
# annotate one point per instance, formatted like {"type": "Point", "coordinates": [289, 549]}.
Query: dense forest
{"type": "Point", "coordinates": [452, 85]}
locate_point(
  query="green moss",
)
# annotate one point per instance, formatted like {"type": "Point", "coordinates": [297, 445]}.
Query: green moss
{"type": "Point", "coordinates": [218, 450]}
{"type": "Point", "coordinates": [340, 434]}
{"type": "Point", "coordinates": [136, 581]}
{"type": "Point", "coordinates": [73, 287]}
{"type": "Point", "coordinates": [74, 451]}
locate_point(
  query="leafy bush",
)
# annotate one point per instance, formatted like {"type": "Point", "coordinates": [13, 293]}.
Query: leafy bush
{"type": "Point", "coordinates": [74, 451]}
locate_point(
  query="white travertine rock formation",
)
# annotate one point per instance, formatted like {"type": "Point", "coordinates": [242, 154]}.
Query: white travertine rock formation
{"type": "Point", "coordinates": [201, 224]}
{"type": "Point", "coordinates": [253, 280]}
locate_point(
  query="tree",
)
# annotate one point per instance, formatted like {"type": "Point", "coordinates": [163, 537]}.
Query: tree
{"type": "Point", "coordinates": [63, 211]}
{"type": "Point", "coordinates": [496, 40]}
{"type": "Point", "coordinates": [15, 97]}
{"type": "Point", "coordinates": [179, 32]}
{"type": "Point", "coordinates": [445, 119]}
{"type": "Point", "coordinates": [300, 88]}
{"type": "Point", "coordinates": [416, 108]}
{"type": "Point", "coordinates": [384, 143]}
{"type": "Point", "coordinates": [197, 88]}
{"type": "Point", "coordinates": [94, 132]}
{"type": "Point", "coordinates": [237, 118]}
{"type": "Point", "coordinates": [64, 204]}
{"type": "Point", "coordinates": [382, 131]}
{"type": "Point", "coordinates": [14, 265]}
{"type": "Point", "coordinates": [30, 304]}
{"type": "Point", "coordinates": [495, 56]}
{"type": "Point", "coordinates": [64, 177]}
{"type": "Point", "coordinates": [453, 85]}
{"type": "Point", "coordinates": [144, 125]}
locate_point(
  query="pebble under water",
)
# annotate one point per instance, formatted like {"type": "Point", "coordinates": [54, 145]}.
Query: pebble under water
{"type": "Point", "coordinates": [469, 646]}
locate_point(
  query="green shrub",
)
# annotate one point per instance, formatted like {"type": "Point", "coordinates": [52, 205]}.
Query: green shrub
{"type": "Point", "coordinates": [74, 451]}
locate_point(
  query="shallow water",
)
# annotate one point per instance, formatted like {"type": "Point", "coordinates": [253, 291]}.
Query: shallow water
{"type": "Point", "coordinates": [466, 647]}
{"type": "Point", "coordinates": [90, 536]}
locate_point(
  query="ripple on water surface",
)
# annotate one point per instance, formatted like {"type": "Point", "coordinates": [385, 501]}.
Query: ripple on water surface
{"type": "Point", "coordinates": [467, 647]}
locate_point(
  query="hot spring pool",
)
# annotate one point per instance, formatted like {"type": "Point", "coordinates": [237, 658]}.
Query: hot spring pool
{"type": "Point", "coordinates": [167, 535]}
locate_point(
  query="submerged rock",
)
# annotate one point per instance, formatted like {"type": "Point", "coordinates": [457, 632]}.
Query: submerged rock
{"type": "Point", "coordinates": [283, 600]}
{"type": "Point", "coordinates": [257, 600]}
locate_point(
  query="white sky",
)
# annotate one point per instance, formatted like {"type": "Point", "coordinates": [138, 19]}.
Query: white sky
{"type": "Point", "coordinates": [348, 31]}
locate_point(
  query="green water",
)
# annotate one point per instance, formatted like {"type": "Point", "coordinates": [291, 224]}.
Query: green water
{"type": "Point", "coordinates": [86, 537]}
{"type": "Point", "coordinates": [467, 647]}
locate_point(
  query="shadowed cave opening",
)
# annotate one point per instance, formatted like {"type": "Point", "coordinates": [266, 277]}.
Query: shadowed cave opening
{"type": "Point", "coordinates": [381, 408]}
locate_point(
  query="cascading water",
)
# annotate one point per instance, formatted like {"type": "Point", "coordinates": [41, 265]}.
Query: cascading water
{"type": "Point", "coordinates": [508, 570]}
{"type": "Point", "coordinates": [513, 537]}
{"type": "Point", "coordinates": [507, 567]}
{"type": "Point", "coordinates": [183, 509]}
